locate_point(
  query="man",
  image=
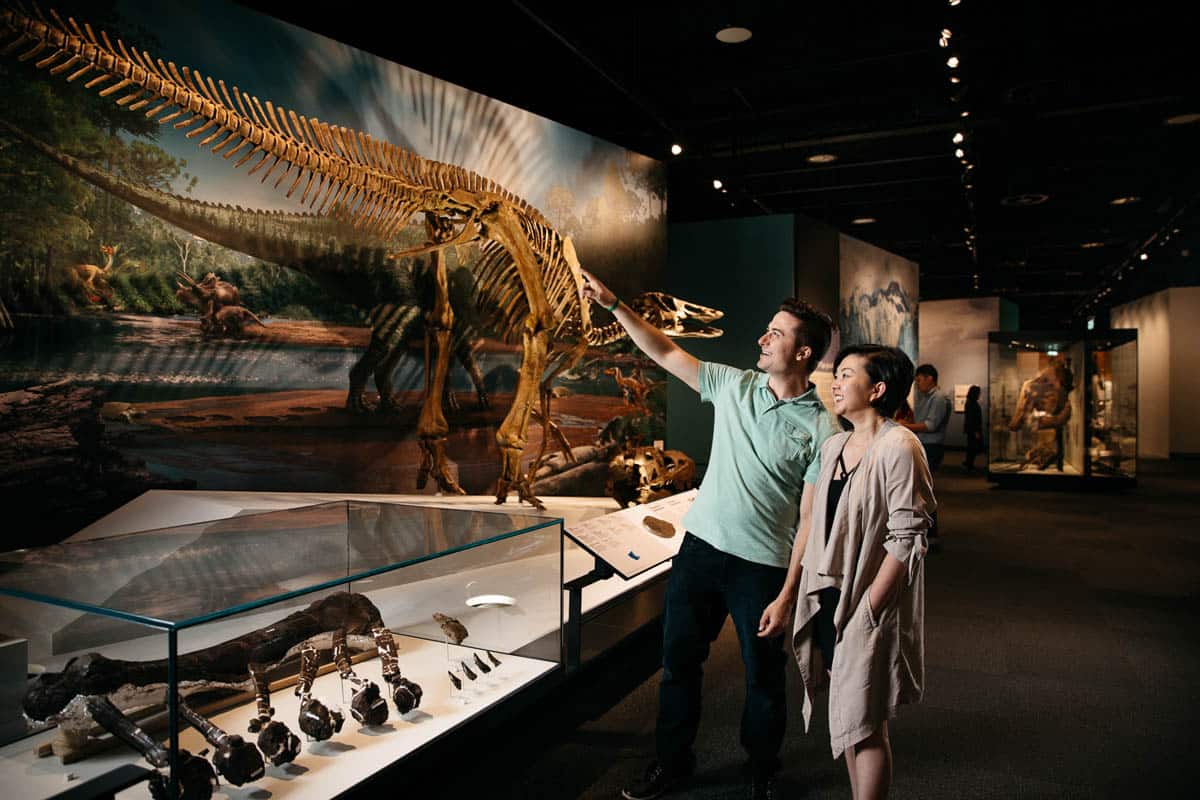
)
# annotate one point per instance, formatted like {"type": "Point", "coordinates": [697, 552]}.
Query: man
{"type": "Point", "coordinates": [736, 558]}
{"type": "Point", "coordinates": [931, 413]}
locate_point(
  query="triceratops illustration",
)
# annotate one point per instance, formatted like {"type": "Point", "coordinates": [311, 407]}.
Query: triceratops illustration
{"type": "Point", "coordinates": [360, 192]}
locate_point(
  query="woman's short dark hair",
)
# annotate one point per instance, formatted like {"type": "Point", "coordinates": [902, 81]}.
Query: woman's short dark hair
{"type": "Point", "coordinates": [973, 394]}
{"type": "Point", "coordinates": [816, 327]}
{"type": "Point", "coordinates": [887, 365]}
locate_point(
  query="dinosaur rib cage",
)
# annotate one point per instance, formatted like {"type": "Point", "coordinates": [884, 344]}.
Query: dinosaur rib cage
{"type": "Point", "coordinates": [371, 183]}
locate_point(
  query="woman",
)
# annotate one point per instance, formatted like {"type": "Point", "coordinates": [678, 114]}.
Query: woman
{"type": "Point", "coordinates": [973, 427]}
{"type": "Point", "coordinates": [860, 609]}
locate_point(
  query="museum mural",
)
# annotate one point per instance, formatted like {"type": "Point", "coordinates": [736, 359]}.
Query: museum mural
{"type": "Point", "coordinates": [292, 265]}
{"type": "Point", "coordinates": [878, 295]}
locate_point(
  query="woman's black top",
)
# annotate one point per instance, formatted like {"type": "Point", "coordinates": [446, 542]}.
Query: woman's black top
{"type": "Point", "coordinates": [826, 634]}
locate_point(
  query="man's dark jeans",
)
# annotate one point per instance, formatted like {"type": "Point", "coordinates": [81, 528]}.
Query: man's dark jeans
{"type": "Point", "coordinates": [705, 586]}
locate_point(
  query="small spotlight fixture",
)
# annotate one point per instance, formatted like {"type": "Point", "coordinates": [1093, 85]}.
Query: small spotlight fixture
{"type": "Point", "coordinates": [1124, 201]}
{"type": "Point", "coordinates": [717, 183]}
{"type": "Point", "coordinates": [734, 34]}
{"type": "Point", "coordinates": [965, 114]}
{"type": "Point", "coordinates": [955, 79]}
{"type": "Point", "coordinates": [1091, 245]}
{"type": "Point", "coordinates": [952, 62]}
{"type": "Point", "coordinates": [944, 40]}
{"type": "Point", "coordinates": [676, 149]}
{"type": "Point", "coordinates": [959, 153]}
{"type": "Point", "coordinates": [1144, 257]}
{"type": "Point", "coordinates": [863, 221]}
{"type": "Point", "coordinates": [958, 138]}
{"type": "Point", "coordinates": [953, 3]}
{"type": "Point", "coordinates": [821, 158]}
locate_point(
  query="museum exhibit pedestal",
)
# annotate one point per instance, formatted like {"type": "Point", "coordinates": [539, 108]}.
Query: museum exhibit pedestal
{"type": "Point", "coordinates": [1063, 409]}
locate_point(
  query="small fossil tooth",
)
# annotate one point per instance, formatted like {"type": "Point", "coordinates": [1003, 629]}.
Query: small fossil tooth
{"type": "Point", "coordinates": [483, 667]}
{"type": "Point", "coordinates": [495, 661]}
{"type": "Point", "coordinates": [454, 679]}
{"type": "Point", "coordinates": [470, 673]}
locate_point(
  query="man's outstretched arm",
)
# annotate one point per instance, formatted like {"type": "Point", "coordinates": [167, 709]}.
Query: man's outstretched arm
{"type": "Point", "coordinates": [650, 340]}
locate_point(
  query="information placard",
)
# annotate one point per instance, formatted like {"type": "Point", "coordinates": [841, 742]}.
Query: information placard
{"type": "Point", "coordinates": [636, 539]}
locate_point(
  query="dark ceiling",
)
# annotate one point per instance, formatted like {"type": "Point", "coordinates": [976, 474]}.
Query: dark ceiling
{"type": "Point", "coordinates": [1069, 108]}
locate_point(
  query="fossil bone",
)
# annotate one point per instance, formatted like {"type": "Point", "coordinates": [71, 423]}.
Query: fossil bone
{"type": "Point", "coordinates": [367, 705]}
{"type": "Point", "coordinates": [454, 630]}
{"type": "Point", "coordinates": [405, 693]}
{"type": "Point", "coordinates": [483, 667]}
{"type": "Point", "coordinates": [316, 719]}
{"type": "Point", "coordinates": [275, 739]}
{"type": "Point", "coordinates": [235, 758]}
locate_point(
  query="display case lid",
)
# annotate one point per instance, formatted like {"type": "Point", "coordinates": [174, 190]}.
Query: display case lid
{"type": "Point", "coordinates": [189, 574]}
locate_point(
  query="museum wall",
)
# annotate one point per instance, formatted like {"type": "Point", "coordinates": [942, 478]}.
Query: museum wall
{"type": "Point", "coordinates": [743, 267]}
{"type": "Point", "coordinates": [954, 338]}
{"type": "Point", "coordinates": [160, 391]}
{"type": "Point", "coordinates": [1151, 316]}
{"type": "Point", "coordinates": [1185, 369]}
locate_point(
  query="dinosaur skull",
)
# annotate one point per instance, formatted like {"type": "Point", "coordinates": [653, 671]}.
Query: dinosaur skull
{"type": "Point", "coordinates": [677, 318]}
{"type": "Point", "coordinates": [644, 474]}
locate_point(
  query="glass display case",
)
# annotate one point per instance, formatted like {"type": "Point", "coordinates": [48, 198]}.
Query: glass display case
{"type": "Point", "coordinates": [1063, 407]}
{"type": "Point", "coordinates": [365, 630]}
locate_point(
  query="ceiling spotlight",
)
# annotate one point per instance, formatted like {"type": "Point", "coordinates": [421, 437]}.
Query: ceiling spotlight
{"type": "Point", "coordinates": [1091, 245]}
{"type": "Point", "coordinates": [1028, 199]}
{"type": "Point", "coordinates": [863, 221]}
{"type": "Point", "coordinates": [958, 138]}
{"type": "Point", "coordinates": [970, 166]}
{"type": "Point", "coordinates": [947, 34]}
{"type": "Point", "coordinates": [954, 3]}
{"type": "Point", "coordinates": [958, 153]}
{"type": "Point", "coordinates": [965, 114]}
{"type": "Point", "coordinates": [822, 158]}
{"type": "Point", "coordinates": [970, 186]}
{"type": "Point", "coordinates": [1124, 201]}
{"type": "Point", "coordinates": [952, 62]}
{"type": "Point", "coordinates": [955, 79]}
{"type": "Point", "coordinates": [676, 149]}
{"type": "Point", "coordinates": [1182, 119]}
{"type": "Point", "coordinates": [1144, 256]}
{"type": "Point", "coordinates": [733, 34]}
{"type": "Point", "coordinates": [717, 183]}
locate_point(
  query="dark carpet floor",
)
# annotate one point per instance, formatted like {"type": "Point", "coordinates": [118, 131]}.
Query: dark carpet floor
{"type": "Point", "coordinates": [1062, 655]}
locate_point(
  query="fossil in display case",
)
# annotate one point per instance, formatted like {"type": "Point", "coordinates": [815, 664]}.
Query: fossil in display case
{"type": "Point", "coordinates": [454, 680]}
{"type": "Point", "coordinates": [367, 705]}
{"type": "Point", "coordinates": [275, 739]}
{"type": "Point", "coordinates": [659, 527]}
{"type": "Point", "coordinates": [235, 758]}
{"type": "Point", "coordinates": [226, 663]}
{"type": "Point", "coordinates": [483, 667]}
{"type": "Point", "coordinates": [495, 661]}
{"type": "Point", "coordinates": [405, 693]}
{"type": "Point", "coordinates": [197, 780]}
{"type": "Point", "coordinates": [317, 720]}
{"type": "Point", "coordinates": [470, 673]}
{"type": "Point", "coordinates": [454, 630]}
{"type": "Point", "coordinates": [1043, 406]}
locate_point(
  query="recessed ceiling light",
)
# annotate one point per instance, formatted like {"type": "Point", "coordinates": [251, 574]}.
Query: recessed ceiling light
{"type": "Point", "coordinates": [952, 62]}
{"type": "Point", "coordinates": [1091, 245]}
{"type": "Point", "coordinates": [863, 221]}
{"type": "Point", "coordinates": [1028, 199]}
{"type": "Point", "coordinates": [965, 114]}
{"type": "Point", "coordinates": [676, 149]}
{"type": "Point", "coordinates": [822, 158]}
{"type": "Point", "coordinates": [717, 183]}
{"type": "Point", "coordinates": [1124, 201]}
{"type": "Point", "coordinates": [733, 34]}
{"type": "Point", "coordinates": [1144, 256]}
{"type": "Point", "coordinates": [1182, 119]}
{"type": "Point", "coordinates": [955, 79]}
{"type": "Point", "coordinates": [959, 153]}
{"type": "Point", "coordinates": [958, 137]}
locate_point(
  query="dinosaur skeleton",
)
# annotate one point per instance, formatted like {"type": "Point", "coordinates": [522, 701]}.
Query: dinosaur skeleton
{"type": "Point", "coordinates": [364, 192]}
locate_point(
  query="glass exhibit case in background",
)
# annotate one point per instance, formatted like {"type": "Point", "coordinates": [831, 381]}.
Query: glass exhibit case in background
{"type": "Point", "coordinates": [1063, 407]}
{"type": "Point", "coordinates": [470, 601]}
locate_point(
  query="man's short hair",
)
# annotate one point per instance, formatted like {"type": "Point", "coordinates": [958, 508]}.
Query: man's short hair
{"type": "Point", "coordinates": [928, 369]}
{"type": "Point", "coordinates": [816, 328]}
{"type": "Point", "coordinates": [888, 365]}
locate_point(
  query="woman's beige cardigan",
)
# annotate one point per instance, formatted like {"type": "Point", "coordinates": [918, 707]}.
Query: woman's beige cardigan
{"type": "Point", "coordinates": [879, 660]}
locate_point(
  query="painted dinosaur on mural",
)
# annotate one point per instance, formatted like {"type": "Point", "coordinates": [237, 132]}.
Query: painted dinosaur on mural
{"type": "Point", "coordinates": [360, 192]}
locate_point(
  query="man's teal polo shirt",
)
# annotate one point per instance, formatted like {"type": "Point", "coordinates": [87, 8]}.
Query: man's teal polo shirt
{"type": "Point", "coordinates": [763, 452]}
